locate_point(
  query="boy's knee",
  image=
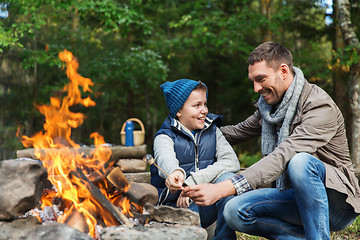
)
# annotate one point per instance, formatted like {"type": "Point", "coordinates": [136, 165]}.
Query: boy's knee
{"type": "Point", "coordinates": [225, 176]}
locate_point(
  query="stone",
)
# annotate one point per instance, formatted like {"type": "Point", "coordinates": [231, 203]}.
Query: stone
{"type": "Point", "coordinates": [17, 229]}
{"type": "Point", "coordinates": [169, 214]}
{"type": "Point", "coordinates": [21, 186]}
{"type": "Point", "coordinates": [153, 231]}
{"type": "Point", "coordinates": [57, 231]}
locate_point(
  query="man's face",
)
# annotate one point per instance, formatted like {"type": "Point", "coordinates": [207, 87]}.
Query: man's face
{"type": "Point", "coordinates": [268, 82]}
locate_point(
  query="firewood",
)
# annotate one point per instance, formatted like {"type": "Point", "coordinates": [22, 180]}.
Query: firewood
{"type": "Point", "coordinates": [142, 193]}
{"type": "Point", "coordinates": [110, 212]}
{"type": "Point", "coordinates": [141, 177]}
{"type": "Point", "coordinates": [77, 220]}
{"type": "Point", "coordinates": [118, 152]}
{"type": "Point", "coordinates": [139, 193]}
{"type": "Point", "coordinates": [117, 178]}
{"type": "Point", "coordinates": [132, 165]}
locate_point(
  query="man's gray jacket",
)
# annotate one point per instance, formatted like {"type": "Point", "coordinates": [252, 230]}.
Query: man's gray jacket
{"type": "Point", "coordinates": [317, 128]}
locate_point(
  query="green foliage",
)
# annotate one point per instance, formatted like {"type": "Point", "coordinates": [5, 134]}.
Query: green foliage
{"type": "Point", "coordinates": [347, 57]}
{"type": "Point", "coordinates": [128, 48]}
{"type": "Point", "coordinates": [247, 160]}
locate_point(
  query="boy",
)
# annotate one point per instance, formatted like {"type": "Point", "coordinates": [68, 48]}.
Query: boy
{"type": "Point", "coordinates": [192, 150]}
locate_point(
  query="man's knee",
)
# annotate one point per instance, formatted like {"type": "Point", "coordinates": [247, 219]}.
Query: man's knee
{"type": "Point", "coordinates": [230, 214]}
{"type": "Point", "coordinates": [235, 215]}
{"type": "Point", "coordinates": [302, 165]}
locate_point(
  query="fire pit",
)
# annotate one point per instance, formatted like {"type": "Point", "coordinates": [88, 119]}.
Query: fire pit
{"type": "Point", "coordinates": [85, 192]}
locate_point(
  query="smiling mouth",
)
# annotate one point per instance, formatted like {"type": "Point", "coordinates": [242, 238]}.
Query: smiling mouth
{"type": "Point", "coordinates": [265, 93]}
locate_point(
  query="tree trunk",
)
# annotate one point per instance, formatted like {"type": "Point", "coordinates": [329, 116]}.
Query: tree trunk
{"type": "Point", "coordinates": [343, 8]}
{"type": "Point", "coordinates": [265, 10]}
{"type": "Point", "coordinates": [340, 76]}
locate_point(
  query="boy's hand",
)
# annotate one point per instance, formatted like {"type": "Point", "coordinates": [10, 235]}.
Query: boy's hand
{"type": "Point", "coordinates": [175, 181]}
{"type": "Point", "coordinates": [183, 202]}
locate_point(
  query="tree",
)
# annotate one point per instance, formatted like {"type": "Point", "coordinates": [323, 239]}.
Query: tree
{"type": "Point", "coordinates": [352, 52]}
{"type": "Point", "coordinates": [108, 38]}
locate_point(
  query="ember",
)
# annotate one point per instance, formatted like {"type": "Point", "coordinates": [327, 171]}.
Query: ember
{"type": "Point", "coordinates": [82, 199]}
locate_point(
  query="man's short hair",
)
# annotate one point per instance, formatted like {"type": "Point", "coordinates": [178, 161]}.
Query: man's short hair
{"type": "Point", "coordinates": [273, 54]}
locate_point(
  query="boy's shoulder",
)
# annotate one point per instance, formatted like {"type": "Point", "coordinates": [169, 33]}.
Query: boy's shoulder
{"type": "Point", "coordinates": [214, 118]}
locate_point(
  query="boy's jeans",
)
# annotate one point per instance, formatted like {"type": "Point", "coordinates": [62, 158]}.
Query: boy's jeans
{"type": "Point", "coordinates": [308, 205]}
{"type": "Point", "coordinates": [215, 212]}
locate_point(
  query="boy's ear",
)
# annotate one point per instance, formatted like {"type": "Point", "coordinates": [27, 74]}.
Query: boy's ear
{"type": "Point", "coordinates": [178, 114]}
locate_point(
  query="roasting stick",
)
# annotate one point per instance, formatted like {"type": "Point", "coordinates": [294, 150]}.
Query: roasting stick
{"type": "Point", "coordinates": [150, 160]}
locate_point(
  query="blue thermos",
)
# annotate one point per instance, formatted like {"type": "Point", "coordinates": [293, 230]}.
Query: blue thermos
{"type": "Point", "coordinates": [129, 133]}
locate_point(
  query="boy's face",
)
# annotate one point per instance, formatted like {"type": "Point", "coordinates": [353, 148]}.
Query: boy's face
{"type": "Point", "coordinates": [193, 112]}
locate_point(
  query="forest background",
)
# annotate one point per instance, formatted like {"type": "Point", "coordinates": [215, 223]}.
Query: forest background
{"type": "Point", "coordinates": [128, 48]}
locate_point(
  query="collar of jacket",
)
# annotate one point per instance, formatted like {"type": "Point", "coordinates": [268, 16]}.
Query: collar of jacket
{"type": "Point", "coordinates": [210, 119]}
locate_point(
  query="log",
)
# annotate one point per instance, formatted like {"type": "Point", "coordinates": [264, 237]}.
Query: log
{"type": "Point", "coordinates": [100, 200]}
{"type": "Point", "coordinates": [142, 193]}
{"type": "Point", "coordinates": [117, 178]}
{"type": "Point", "coordinates": [77, 221]}
{"type": "Point", "coordinates": [117, 152]}
{"type": "Point", "coordinates": [128, 152]}
{"type": "Point", "coordinates": [132, 165]}
{"type": "Point", "coordinates": [139, 193]}
{"type": "Point", "coordinates": [143, 177]}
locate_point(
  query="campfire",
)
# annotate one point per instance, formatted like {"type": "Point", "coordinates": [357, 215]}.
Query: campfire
{"type": "Point", "coordinates": [88, 190]}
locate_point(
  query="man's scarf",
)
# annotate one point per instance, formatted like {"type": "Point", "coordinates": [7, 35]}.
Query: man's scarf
{"type": "Point", "coordinates": [284, 113]}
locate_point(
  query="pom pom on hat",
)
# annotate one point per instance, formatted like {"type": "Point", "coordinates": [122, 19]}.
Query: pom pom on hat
{"type": "Point", "coordinates": [176, 93]}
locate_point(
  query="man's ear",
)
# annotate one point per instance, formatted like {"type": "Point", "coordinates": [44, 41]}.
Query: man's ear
{"type": "Point", "coordinates": [284, 70]}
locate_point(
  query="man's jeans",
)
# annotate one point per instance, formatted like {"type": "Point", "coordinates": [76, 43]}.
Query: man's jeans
{"type": "Point", "coordinates": [212, 213]}
{"type": "Point", "coordinates": [307, 210]}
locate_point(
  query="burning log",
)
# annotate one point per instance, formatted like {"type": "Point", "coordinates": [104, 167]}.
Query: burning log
{"type": "Point", "coordinates": [140, 193]}
{"type": "Point", "coordinates": [77, 221]}
{"type": "Point", "coordinates": [101, 201]}
{"type": "Point", "coordinates": [117, 152]}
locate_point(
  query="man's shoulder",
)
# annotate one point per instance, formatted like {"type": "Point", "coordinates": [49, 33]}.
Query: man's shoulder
{"type": "Point", "coordinates": [314, 93]}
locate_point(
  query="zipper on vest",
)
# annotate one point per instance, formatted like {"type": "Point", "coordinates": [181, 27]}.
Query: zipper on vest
{"type": "Point", "coordinates": [197, 139]}
{"type": "Point", "coordinates": [196, 158]}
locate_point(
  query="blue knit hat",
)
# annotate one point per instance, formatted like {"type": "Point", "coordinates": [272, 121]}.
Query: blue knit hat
{"type": "Point", "coordinates": [176, 93]}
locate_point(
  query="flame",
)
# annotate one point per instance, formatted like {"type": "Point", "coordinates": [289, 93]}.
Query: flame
{"type": "Point", "coordinates": [60, 155]}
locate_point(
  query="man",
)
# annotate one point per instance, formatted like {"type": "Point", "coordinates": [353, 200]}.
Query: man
{"type": "Point", "coordinates": [304, 146]}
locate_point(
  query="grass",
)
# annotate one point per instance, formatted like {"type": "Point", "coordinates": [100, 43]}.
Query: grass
{"type": "Point", "coordinates": [350, 233]}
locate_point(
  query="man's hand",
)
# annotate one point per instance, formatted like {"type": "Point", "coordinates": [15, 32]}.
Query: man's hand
{"type": "Point", "coordinates": [207, 194]}
{"type": "Point", "coordinates": [175, 181]}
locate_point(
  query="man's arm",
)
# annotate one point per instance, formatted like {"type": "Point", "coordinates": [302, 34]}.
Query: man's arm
{"type": "Point", "coordinates": [207, 193]}
{"type": "Point", "coordinates": [243, 131]}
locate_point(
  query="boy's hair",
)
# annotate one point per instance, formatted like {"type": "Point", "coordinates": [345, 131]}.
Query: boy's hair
{"type": "Point", "coordinates": [273, 54]}
{"type": "Point", "coordinates": [201, 86]}
{"type": "Point", "coordinates": [176, 93]}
